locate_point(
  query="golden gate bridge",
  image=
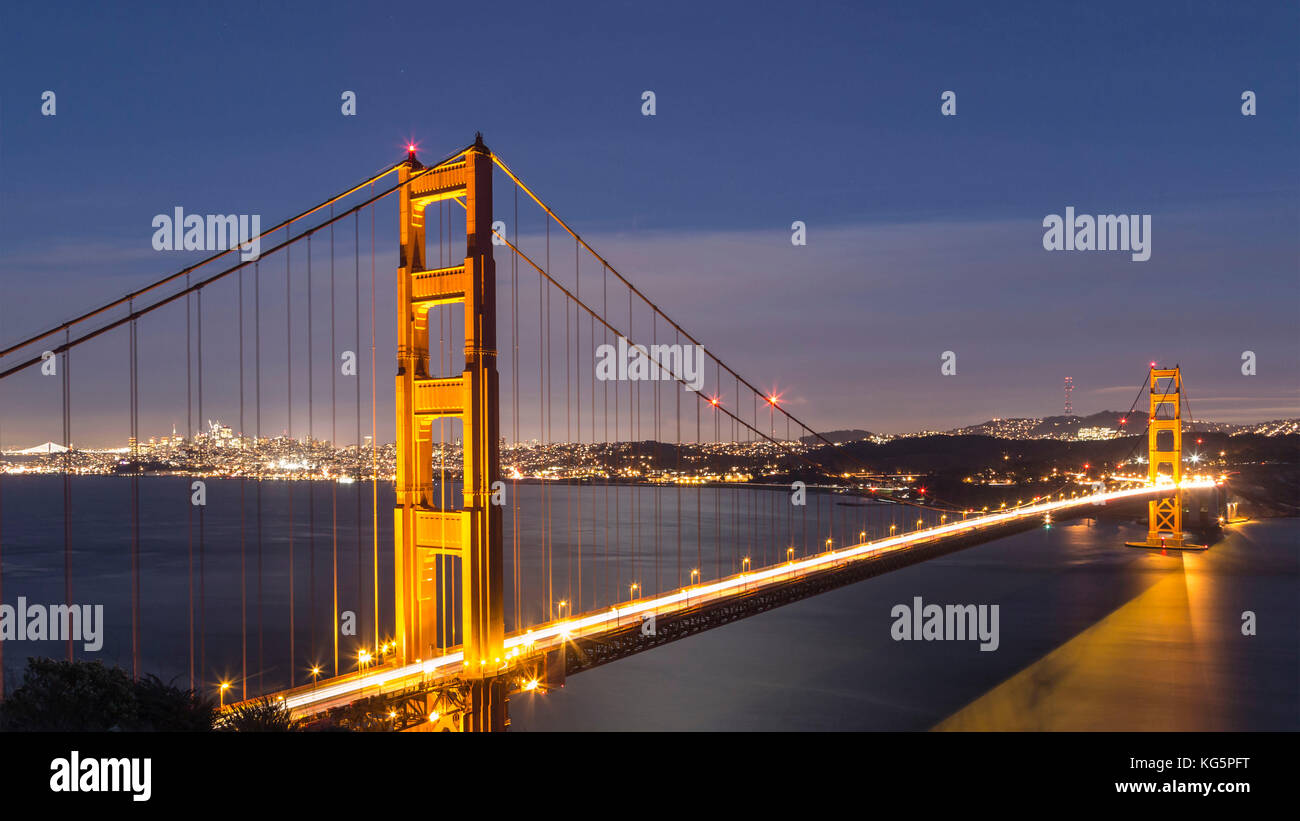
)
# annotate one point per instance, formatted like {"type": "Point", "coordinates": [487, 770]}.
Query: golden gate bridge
{"type": "Point", "coordinates": [490, 597]}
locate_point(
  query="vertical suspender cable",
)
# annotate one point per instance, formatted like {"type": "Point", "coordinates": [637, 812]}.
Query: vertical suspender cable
{"type": "Point", "coordinates": [677, 391]}
{"type": "Point", "coordinates": [550, 419]}
{"type": "Point", "coordinates": [632, 408]}
{"type": "Point", "coordinates": [514, 377]}
{"type": "Point", "coordinates": [444, 561]}
{"type": "Point", "coordinates": [334, 445]}
{"type": "Point", "coordinates": [568, 438]}
{"type": "Point", "coordinates": [541, 393]}
{"type": "Point", "coordinates": [203, 612]}
{"type": "Point", "coordinates": [67, 480]}
{"type": "Point", "coordinates": [243, 482]}
{"type": "Point", "coordinates": [2, 565]}
{"type": "Point", "coordinates": [595, 581]}
{"type": "Point", "coordinates": [374, 432]}
{"type": "Point", "coordinates": [577, 395]}
{"type": "Point", "coordinates": [356, 348]}
{"type": "Point", "coordinates": [288, 484]}
{"type": "Point", "coordinates": [189, 508]}
{"type": "Point", "coordinates": [612, 579]}
{"type": "Point", "coordinates": [257, 443]}
{"type": "Point", "coordinates": [654, 489]}
{"type": "Point", "coordinates": [135, 499]}
{"type": "Point", "coordinates": [310, 468]}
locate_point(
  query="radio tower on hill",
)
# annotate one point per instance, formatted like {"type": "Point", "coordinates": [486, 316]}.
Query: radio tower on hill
{"type": "Point", "coordinates": [1069, 388]}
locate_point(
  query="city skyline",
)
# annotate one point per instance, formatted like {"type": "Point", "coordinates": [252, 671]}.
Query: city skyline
{"type": "Point", "coordinates": [1267, 427]}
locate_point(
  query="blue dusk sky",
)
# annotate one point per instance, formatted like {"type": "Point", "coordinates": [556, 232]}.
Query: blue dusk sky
{"type": "Point", "coordinates": [924, 231]}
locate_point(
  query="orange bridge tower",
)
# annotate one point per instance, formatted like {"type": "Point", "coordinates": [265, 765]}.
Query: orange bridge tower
{"type": "Point", "coordinates": [467, 538]}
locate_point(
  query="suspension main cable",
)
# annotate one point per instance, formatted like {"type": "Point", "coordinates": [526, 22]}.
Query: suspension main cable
{"type": "Point", "coordinates": [184, 271]}
{"type": "Point", "coordinates": [634, 290]}
{"type": "Point", "coordinates": [649, 355]}
{"type": "Point", "coordinates": [500, 163]}
{"type": "Point", "coordinates": [190, 288]}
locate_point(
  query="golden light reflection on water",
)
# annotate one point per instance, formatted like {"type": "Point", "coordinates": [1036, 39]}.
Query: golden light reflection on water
{"type": "Point", "coordinates": [1148, 665]}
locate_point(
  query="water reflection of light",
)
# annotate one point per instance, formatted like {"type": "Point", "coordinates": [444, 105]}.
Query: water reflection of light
{"type": "Point", "coordinates": [1152, 664]}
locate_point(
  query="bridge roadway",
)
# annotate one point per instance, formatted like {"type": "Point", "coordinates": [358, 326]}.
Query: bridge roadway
{"type": "Point", "coordinates": [598, 637]}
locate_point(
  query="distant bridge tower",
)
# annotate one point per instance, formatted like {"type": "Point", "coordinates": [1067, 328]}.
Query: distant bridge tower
{"type": "Point", "coordinates": [471, 535]}
{"type": "Point", "coordinates": [1165, 458]}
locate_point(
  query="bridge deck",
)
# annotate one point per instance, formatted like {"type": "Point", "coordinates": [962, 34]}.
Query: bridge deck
{"type": "Point", "coordinates": [591, 639]}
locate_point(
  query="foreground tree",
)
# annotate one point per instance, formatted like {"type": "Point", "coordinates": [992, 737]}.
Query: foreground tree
{"type": "Point", "coordinates": [163, 708]}
{"type": "Point", "coordinates": [260, 716]}
{"type": "Point", "coordinates": [86, 696]}
{"type": "Point", "coordinates": [63, 696]}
